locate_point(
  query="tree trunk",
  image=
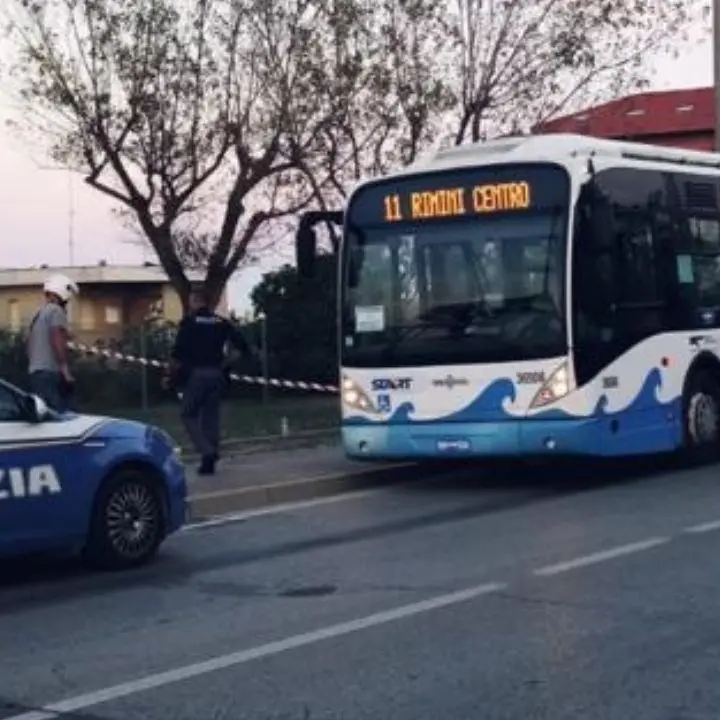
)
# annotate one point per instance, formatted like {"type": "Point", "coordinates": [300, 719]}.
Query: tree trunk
{"type": "Point", "coordinates": [214, 292]}
{"type": "Point", "coordinates": [184, 299]}
{"type": "Point", "coordinates": [161, 241]}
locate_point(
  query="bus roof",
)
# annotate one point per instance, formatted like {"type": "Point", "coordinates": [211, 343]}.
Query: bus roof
{"type": "Point", "coordinates": [558, 147]}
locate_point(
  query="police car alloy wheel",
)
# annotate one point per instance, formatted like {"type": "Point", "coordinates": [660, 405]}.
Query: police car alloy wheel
{"type": "Point", "coordinates": [128, 524]}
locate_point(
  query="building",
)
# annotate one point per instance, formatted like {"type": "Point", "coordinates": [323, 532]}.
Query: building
{"type": "Point", "coordinates": [112, 298]}
{"type": "Point", "coordinates": [675, 118]}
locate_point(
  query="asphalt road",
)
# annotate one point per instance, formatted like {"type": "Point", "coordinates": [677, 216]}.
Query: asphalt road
{"type": "Point", "coordinates": [537, 593]}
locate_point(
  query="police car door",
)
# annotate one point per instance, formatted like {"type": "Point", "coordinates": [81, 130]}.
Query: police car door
{"type": "Point", "coordinates": [33, 470]}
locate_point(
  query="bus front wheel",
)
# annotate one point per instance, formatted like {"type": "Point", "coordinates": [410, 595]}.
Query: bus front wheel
{"type": "Point", "coordinates": [701, 408]}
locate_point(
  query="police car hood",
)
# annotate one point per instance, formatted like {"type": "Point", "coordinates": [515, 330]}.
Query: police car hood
{"type": "Point", "coordinates": [78, 426]}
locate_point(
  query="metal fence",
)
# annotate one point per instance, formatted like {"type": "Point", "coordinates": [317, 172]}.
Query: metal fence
{"type": "Point", "coordinates": [112, 378]}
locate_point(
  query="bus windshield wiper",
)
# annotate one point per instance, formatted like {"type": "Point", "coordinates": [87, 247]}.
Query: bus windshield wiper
{"type": "Point", "coordinates": [458, 316]}
{"type": "Point", "coordinates": [539, 303]}
{"type": "Point", "coordinates": [454, 318]}
{"type": "Point", "coordinates": [405, 332]}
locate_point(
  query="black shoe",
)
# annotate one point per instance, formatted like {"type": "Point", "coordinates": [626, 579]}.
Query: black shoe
{"type": "Point", "coordinates": [207, 465]}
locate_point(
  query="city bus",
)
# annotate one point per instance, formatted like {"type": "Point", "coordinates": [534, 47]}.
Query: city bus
{"type": "Point", "coordinates": [531, 296]}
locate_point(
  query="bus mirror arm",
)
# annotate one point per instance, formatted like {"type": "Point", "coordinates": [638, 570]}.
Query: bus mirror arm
{"type": "Point", "coordinates": [306, 239]}
{"type": "Point", "coordinates": [306, 251]}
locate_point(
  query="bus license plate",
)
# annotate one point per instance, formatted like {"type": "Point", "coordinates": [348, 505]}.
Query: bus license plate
{"type": "Point", "coordinates": [454, 445]}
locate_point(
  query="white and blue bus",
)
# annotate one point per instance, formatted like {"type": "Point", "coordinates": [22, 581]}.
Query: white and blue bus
{"type": "Point", "coordinates": [532, 296]}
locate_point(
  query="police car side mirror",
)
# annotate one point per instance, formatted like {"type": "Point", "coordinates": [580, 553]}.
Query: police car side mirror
{"type": "Point", "coordinates": [37, 409]}
{"type": "Point", "coordinates": [41, 408]}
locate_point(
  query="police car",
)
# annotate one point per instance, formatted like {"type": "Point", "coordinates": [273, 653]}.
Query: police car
{"type": "Point", "coordinates": [110, 489]}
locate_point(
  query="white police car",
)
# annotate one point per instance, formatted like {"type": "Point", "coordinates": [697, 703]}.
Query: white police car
{"type": "Point", "coordinates": [111, 489]}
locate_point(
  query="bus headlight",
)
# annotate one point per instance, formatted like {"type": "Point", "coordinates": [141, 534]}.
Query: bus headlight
{"type": "Point", "coordinates": [555, 387]}
{"type": "Point", "coordinates": [355, 398]}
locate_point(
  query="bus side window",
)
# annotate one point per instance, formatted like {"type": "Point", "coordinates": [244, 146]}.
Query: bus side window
{"type": "Point", "coordinates": [698, 270]}
{"type": "Point", "coordinates": [642, 299]}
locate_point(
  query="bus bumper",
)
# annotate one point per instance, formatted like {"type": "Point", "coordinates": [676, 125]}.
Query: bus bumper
{"type": "Point", "coordinates": [599, 436]}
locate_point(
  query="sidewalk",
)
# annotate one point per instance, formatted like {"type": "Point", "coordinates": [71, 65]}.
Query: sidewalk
{"type": "Point", "coordinates": [276, 476]}
{"type": "Point", "coordinates": [235, 449]}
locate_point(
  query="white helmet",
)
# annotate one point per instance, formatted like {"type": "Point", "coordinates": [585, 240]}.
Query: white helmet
{"type": "Point", "coordinates": [62, 286]}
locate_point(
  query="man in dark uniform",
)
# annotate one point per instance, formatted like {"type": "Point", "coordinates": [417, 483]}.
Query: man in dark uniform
{"type": "Point", "coordinates": [200, 366]}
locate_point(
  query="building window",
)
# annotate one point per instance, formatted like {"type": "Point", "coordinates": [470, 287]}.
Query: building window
{"type": "Point", "coordinates": [112, 315]}
{"type": "Point", "coordinates": [87, 316]}
{"type": "Point", "coordinates": [14, 315]}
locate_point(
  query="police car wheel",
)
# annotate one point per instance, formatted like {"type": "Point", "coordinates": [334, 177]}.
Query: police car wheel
{"type": "Point", "coordinates": [128, 523]}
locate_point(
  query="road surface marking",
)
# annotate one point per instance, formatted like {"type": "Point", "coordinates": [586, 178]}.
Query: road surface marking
{"type": "Point", "coordinates": [230, 518]}
{"type": "Point", "coordinates": [151, 682]}
{"type": "Point", "coordinates": [703, 527]}
{"type": "Point", "coordinates": [595, 558]}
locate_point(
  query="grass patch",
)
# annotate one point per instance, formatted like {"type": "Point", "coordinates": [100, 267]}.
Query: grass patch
{"type": "Point", "coordinates": [247, 418]}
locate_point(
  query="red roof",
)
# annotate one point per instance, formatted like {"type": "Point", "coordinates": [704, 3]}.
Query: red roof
{"type": "Point", "coordinates": [644, 115]}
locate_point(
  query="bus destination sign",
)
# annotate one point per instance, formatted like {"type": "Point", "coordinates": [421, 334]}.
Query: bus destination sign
{"type": "Point", "coordinates": [458, 201]}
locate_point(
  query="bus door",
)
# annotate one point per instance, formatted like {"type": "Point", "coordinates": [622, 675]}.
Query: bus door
{"type": "Point", "coordinates": [620, 299]}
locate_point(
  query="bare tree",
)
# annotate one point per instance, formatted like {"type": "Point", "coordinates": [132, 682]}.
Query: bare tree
{"type": "Point", "coordinates": [417, 73]}
{"type": "Point", "coordinates": [174, 108]}
{"type": "Point", "coordinates": [383, 70]}
{"type": "Point", "coordinates": [520, 63]}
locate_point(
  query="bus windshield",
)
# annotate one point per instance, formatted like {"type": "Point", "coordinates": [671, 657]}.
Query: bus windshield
{"type": "Point", "coordinates": [482, 288]}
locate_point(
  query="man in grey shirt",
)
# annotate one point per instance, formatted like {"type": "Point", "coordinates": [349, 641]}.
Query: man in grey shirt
{"type": "Point", "coordinates": [47, 344]}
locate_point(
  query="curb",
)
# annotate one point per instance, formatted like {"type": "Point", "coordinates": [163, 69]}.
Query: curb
{"type": "Point", "coordinates": [249, 446]}
{"type": "Point", "coordinates": [207, 506]}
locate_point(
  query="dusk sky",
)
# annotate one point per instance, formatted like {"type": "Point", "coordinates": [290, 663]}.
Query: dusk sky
{"type": "Point", "coordinates": [35, 202]}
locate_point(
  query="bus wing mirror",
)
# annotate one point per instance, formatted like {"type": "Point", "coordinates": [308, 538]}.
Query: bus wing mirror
{"type": "Point", "coordinates": [306, 251]}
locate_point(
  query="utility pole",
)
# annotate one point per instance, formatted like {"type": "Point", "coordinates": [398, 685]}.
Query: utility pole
{"type": "Point", "coordinates": [716, 68]}
{"type": "Point", "coordinates": [71, 218]}
{"type": "Point", "coordinates": [265, 356]}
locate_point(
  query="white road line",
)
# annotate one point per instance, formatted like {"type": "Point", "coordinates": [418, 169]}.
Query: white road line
{"type": "Point", "coordinates": [150, 682]}
{"type": "Point", "coordinates": [703, 527]}
{"type": "Point", "coordinates": [283, 508]}
{"type": "Point", "coordinates": [595, 558]}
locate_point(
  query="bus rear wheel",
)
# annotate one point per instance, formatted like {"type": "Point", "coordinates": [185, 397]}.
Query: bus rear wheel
{"type": "Point", "coordinates": [701, 408]}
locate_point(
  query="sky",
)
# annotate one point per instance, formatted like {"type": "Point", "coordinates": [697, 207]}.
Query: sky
{"type": "Point", "coordinates": [41, 208]}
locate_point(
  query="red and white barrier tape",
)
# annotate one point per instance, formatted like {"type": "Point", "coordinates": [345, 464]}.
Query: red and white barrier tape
{"type": "Point", "coordinates": [251, 379]}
